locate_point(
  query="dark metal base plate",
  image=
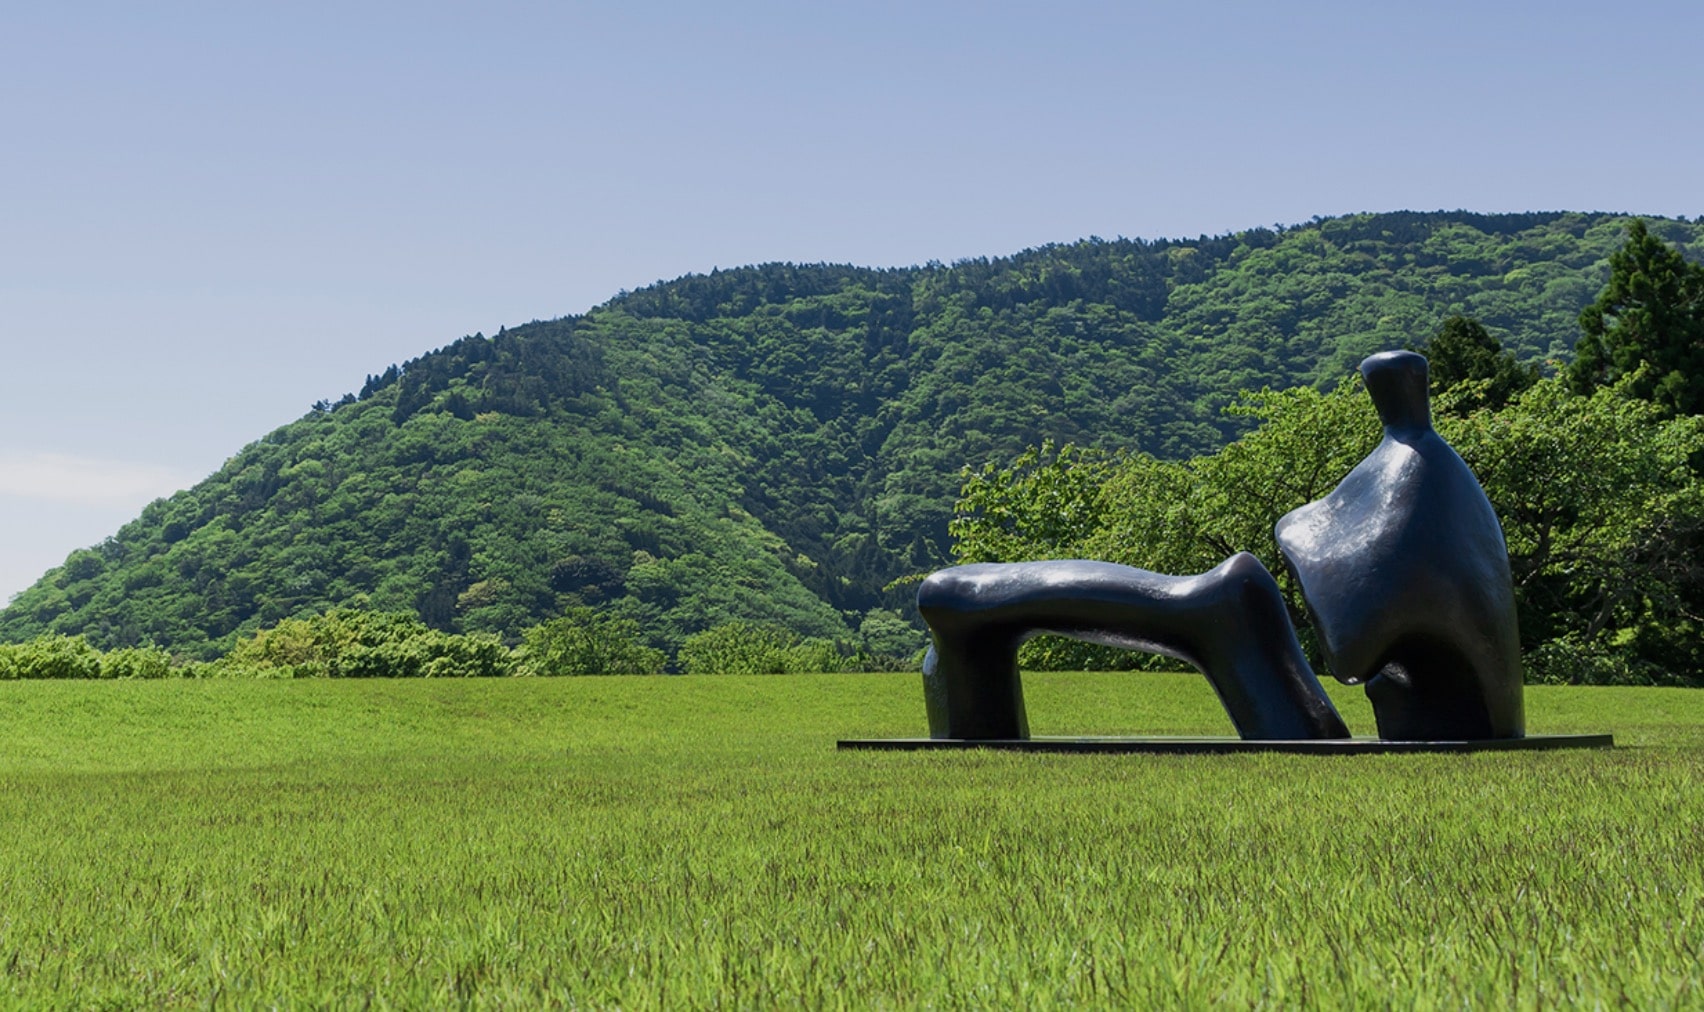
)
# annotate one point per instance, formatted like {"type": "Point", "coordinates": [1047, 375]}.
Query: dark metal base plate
{"type": "Point", "coordinates": [1224, 746]}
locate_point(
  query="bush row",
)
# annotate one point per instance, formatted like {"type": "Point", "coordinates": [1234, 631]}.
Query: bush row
{"type": "Point", "coordinates": [73, 657]}
{"type": "Point", "coordinates": [353, 643]}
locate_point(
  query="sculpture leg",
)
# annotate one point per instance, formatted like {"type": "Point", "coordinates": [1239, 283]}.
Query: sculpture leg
{"type": "Point", "coordinates": [971, 687]}
{"type": "Point", "coordinates": [1230, 623]}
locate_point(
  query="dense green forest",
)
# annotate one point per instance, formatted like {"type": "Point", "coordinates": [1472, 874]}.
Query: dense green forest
{"type": "Point", "coordinates": [780, 443]}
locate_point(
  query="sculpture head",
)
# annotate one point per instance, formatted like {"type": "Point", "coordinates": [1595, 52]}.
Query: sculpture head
{"type": "Point", "coordinates": [1397, 381]}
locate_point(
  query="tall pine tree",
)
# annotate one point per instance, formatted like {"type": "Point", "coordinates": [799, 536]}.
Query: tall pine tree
{"type": "Point", "coordinates": [1462, 350]}
{"type": "Point", "coordinates": [1651, 313]}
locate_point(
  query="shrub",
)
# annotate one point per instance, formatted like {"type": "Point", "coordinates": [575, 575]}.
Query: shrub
{"type": "Point", "coordinates": [50, 657]}
{"type": "Point", "coordinates": [757, 648]}
{"type": "Point", "coordinates": [138, 662]}
{"type": "Point", "coordinates": [350, 643]}
{"type": "Point", "coordinates": [583, 642]}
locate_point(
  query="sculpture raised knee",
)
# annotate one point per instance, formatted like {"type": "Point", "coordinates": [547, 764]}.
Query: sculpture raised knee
{"type": "Point", "coordinates": [1229, 622]}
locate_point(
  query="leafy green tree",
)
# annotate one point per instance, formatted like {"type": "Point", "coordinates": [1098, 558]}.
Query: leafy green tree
{"type": "Point", "coordinates": [1188, 517]}
{"type": "Point", "coordinates": [1045, 505]}
{"type": "Point", "coordinates": [1041, 506]}
{"type": "Point", "coordinates": [1464, 351]}
{"type": "Point", "coordinates": [1647, 326]}
{"type": "Point", "coordinates": [1601, 511]}
{"type": "Point", "coordinates": [584, 641]}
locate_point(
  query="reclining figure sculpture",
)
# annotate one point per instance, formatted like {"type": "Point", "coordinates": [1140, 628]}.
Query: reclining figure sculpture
{"type": "Point", "coordinates": [1402, 566]}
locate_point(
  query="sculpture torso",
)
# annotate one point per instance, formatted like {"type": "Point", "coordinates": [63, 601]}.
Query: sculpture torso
{"type": "Point", "coordinates": [1406, 576]}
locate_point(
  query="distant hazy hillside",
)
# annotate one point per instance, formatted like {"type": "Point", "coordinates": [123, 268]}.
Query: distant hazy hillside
{"type": "Point", "coordinates": [779, 442]}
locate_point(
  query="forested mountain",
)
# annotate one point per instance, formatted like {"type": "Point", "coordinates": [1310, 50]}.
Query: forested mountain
{"type": "Point", "coordinates": [780, 442]}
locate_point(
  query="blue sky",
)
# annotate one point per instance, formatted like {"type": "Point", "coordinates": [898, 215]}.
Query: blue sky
{"type": "Point", "coordinates": [216, 214]}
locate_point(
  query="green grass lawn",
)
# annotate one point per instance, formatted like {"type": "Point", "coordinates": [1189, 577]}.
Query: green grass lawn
{"type": "Point", "coordinates": [643, 842]}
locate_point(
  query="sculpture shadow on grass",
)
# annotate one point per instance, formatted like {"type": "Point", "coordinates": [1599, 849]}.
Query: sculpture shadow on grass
{"type": "Point", "coordinates": [1403, 568]}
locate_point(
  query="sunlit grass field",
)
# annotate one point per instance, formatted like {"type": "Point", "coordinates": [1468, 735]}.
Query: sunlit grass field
{"type": "Point", "coordinates": [691, 842]}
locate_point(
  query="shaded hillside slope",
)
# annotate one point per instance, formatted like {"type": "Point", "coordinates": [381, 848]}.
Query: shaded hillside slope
{"type": "Point", "coordinates": [779, 442]}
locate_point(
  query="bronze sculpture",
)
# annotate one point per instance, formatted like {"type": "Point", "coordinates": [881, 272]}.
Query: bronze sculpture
{"type": "Point", "coordinates": [1403, 567]}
